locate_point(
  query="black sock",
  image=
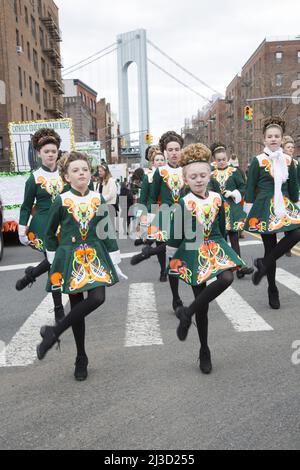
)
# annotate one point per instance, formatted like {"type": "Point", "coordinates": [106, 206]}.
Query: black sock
{"type": "Point", "coordinates": [174, 284]}
{"type": "Point", "coordinates": [223, 281]}
{"type": "Point", "coordinates": [81, 309]}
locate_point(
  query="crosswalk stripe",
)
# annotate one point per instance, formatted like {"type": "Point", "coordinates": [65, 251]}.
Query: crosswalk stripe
{"type": "Point", "coordinates": [142, 328]}
{"type": "Point", "coordinates": [242, 316]}
{"type": "Point", "coordinates": [21, 351]}
{"type": "Point", "coordinates": [288, 280]}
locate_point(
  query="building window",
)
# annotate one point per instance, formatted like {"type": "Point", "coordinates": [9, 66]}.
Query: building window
{"type": "Point", "coordinates": [26, 16]}
{"type": "Point", "coordinates": [279, 79]}
{"type": "Point", "coordinates": [16, 7]}
{"type": "Point", "coordinates": [18, 37]}
{"type": "Point", "coordinates": [20, 80]}
{"type": "Point", "coordinates": [38, 116]}
{"type": "Point", "coordinates": [1, 147]}
{"type": "Point", "coordinates": [298, 55]}
{"type": "Point", "coordinates": [32, 115]}
{"type": "Point", "coordinates": [22, 113]}
{"type": "Point", "coordinates": [45, 98]}
{"type": "Point", "coordinates": [28, 52]}
{"type": "Point", "coordinates": [37, 92]}
{"type": "Point", "coordinates": [278, 57]}
{"type": "Point", "coordinates": [26, 110]}
{"type": "Point", "coordinates": [40, 7]}
{"type": "Point", "coordinates": [30, 85]}
{"type": "Point", "coordinates": [33, 27]}
{"type": "Point", "coordinates": [43, 68]}
{"type": "Point", "coordinates": [24, 77]}
{"type": "Point", "coordinates": [35, 60]}
{"type": "Point", "coordinates": [42, 39]}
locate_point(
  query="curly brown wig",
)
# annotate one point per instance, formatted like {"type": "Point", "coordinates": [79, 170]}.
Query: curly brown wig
{"type": "Point", "coordinates": [65, 161]}
{"type": "Point", "coordinates": [170, 136]}
{"type": "Point", "coordinates": [45, 136]}
{"type": "Point", "coordinates": [274, 121]}
{"type": "Point", "coordinates": [217, 147]}
{"type": "Point", "coordinates": [153, 151]}
{"type": "Point", "coordinates": [194, 153]}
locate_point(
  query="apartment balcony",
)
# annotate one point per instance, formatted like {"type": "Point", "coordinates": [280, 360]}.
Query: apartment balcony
{"type": "Point", "coordinates": [52, 28]}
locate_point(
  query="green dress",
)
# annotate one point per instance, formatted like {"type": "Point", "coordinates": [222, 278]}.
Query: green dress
{"type": "Point", "coordinates": [84, 256]}
{"type": "Point", "coordinates": [166, 190]}
{"type": "Point", "coordinates": [260, 195]}
{"type": "Point", "coordinates": [230, 179]}
{"type": "Point", "coordinates": [41, 189]}
{"type": "Point", "coordinates": [198, 233]}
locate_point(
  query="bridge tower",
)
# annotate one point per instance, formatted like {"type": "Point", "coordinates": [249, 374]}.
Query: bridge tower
{"type": "Point", "coordinates": [132, 47]}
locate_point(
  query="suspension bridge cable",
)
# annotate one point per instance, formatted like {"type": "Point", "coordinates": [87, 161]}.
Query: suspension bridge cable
{"type": "Point", "coordinates": [88, 63]}
{"type": "Point", "coordinates": [179, 81]}
{"type": "Point", "coordinates": [98, 58]}
{"type": "Point", "coordinates": [90, 57]}
{"type": "Point", "coordinates": [182, 68]}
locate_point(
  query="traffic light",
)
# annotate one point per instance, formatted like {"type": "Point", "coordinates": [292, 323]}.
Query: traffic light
{"type": "Point", "coordinates": [123, 142]}
{"type": "Point", "coordinates": [248, 113]}
{"type": "Point", "coordinates": [148, 139]}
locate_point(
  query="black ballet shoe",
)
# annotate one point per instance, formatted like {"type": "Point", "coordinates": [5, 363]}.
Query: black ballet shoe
{"type": "Point", "coordinates": [138, 242]}
{"type": "Point", "coordinates": [176, 303]}
{"type": "Point", "coordinates": [185, 321]}
{"type": "Point", "coordinates": [27, 280]}
{"type": "Point", "coordinates": [163, 277]}
{"type": "Point", "coordinates": [239, 274]}
{"type": "Point", "coordinates": [81, 372]}
{"type": "Point", "coordinates": [145, 254]}
{"type": "Point", "coordinates": [274, 301]}
{"type": "Point", "coordinates": [260, 273]}
{"type": "Point", "coordinates": [49, 340]}
{"type": "Point", "coordinates": [59, 314]}
{"type": "Point", "coordinates": [246, 270]}
{"type": "Point", "coordinates": [205, 361]}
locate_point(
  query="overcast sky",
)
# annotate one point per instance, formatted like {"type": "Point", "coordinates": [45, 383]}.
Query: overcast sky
{"type": "Point", "coordinates": [213, 39]}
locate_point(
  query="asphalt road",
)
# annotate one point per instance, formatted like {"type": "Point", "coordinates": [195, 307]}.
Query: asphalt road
{"type": "Point", "coordinates": [153, 396]}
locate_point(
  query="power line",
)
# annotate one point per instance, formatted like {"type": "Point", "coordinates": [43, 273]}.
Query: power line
{"type": "Point", "coordinates": [182, 68]}
{"type": "Point", "coordinates": [87, 58]}
{"type": "Point", "coordinates": [179, 81]}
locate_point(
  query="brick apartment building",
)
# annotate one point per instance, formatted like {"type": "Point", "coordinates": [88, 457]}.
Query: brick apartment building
{"type": "Point", "coordinates": [30, 65]}
{"type": "Point", "coordinates": [80, 104]}
{"type": "Point", "coordinates": [104, 123]}
{"type": "Point", "coordinates": [266, 84]}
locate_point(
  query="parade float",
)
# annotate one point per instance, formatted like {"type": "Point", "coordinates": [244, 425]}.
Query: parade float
{"type": "Point", "coordinates": [24, 160]}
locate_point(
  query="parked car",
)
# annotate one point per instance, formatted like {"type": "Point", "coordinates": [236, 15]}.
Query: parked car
{"type": "Point", "coordinates": [1, 233]}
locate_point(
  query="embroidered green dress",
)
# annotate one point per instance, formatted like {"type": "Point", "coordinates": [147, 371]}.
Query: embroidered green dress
{"type": "Point", "coordinates": [260, 195]}
{"type": "Point", "coordinates": [41, 189]}
{"type": "Point", "coordinates": [196, 263]}
{"type": "Point", "coordinates": [84, 257]}
{"type": "Point", "coordinates": [166, 190]}
{"type": "Point", "coordinates": [230, 179]}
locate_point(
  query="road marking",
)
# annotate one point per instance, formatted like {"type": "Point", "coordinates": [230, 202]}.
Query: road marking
{"type": "Point", "coordinates": [22, 267]}
{"type": "Point", "coordinates": [21, 351]}
{"type": "Point", "coordinates": [17, 267]}
{"type": "Point", "coordinates": [142, 327]}
{"type": "Point", "coordinates": [288, 280]}
{"type": "Point", "coordinates": [242, 316]}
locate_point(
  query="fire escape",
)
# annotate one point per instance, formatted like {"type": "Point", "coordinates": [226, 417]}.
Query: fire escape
{"type": "Point", "coordinates": [54, 79]}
